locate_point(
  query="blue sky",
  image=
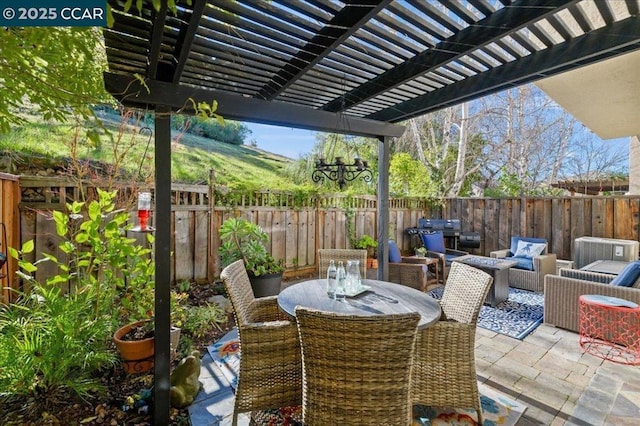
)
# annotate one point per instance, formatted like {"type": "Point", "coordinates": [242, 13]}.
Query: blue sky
{"type": "Point", "coordinates": [293, 143]}
{"type": "Point", "coordinates": [285, 141]}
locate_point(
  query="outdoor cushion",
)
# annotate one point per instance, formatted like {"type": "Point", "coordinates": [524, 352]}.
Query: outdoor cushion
{"type": "Point", "coordinates": [514, 243]}
{"type": "Point", "coordinates": [433, 241]}
{"type": "Point", "coordinates": [394, 252]}
{"type": "Point", "coordinates": [628, 276]}
{"type": "Point", "coordinates": [523, 262]}
{"type": "Point", "coordinates": [528, 249]}
{"type": "Point", "coordinates": [448, 258]}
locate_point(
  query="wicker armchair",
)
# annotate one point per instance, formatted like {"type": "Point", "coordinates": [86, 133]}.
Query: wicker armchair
{"type": "Point", "coordinates": [561, 294]}
{"type": "Point", "coordinates": [325, 255]}
{"type": "Point", "coordinates": [356, 369]}
{"type": "Point", "coordinates": [270, 373]}
{"type": "Point", "coordinates": [434, 243]}
{"type": "Point", "coordinates": [411, 271]}
{"type": "Point", "coordinates": [528, 279]}
{"type": "Point", "coordinates": [444, 368]}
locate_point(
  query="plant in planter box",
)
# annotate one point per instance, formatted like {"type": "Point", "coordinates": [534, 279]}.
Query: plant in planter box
{"type": "Point", "coordinates": [366, 242]}
{"type": "Point", "coordinates": [245, 240]}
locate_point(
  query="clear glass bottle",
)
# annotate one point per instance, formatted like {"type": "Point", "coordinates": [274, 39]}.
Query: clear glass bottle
{"type": "Point", "coordinates": [341, 277]}
{"type": "Point", "coordinates": [353, 276]}
{"type": "Point", "coordinates": [332, 279]}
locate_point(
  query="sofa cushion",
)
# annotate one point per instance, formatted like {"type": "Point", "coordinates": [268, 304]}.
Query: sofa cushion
{"type": "Point", "coordinates": [433, 241]}
{"type": "Point", "coordinates": [628, 276]}
{"type": "Point", "coordinates": [523, 262]}
{"type": "Point", "coordinates": [394, 252]}
{"type": "Point", "coordinates": [514, 243]}
{"type": "Point", "coordinates": [529, 250]}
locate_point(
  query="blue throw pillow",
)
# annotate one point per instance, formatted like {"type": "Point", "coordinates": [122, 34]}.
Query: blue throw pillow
{"type": "Point", "coordinates": [514, 243]}
{"type": "Point", "coordinates": [394, 253]}
{"type": "Point", "coordinates": [433, 241]}
{"type": "Point", "coordinates": [628, 276]}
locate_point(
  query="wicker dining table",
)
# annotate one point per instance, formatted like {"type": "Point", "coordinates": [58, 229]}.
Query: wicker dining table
{"type": "Point", "coordinates": [378, 298]}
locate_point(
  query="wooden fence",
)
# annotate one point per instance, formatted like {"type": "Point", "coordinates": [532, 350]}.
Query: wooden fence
{"type": "Point", "coordinates": [9, 230]}
{"type": "Point", "coordinates": [298, 228]}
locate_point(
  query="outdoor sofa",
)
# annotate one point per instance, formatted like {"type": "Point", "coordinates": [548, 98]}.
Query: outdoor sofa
{"type": "Point", "coordinates": [561, 294]}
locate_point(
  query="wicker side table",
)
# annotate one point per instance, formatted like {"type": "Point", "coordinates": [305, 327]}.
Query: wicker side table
{"type": "Point", "coordinates": [610, 328]}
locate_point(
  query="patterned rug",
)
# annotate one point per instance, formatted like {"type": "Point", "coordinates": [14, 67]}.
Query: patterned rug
{"type": "Point", "coordinates": [497, 409]}
{"type": "Point", "coordinates": [516, 317]}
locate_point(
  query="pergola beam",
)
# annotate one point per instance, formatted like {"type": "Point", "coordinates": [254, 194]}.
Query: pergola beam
{"type": "Point", "coordinates": [134, 93]}
{"type": "Point", "coordinates": [607, 42]}
{"type": "Point", "coordinates": [493, 28]}
{"type": "Point", "coordinates": [333, 34]}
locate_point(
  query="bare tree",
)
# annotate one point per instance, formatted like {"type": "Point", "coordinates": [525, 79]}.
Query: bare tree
{"type": "Point", "coordinates": [590, 158]}
{"type": "Point", "coordinates": [527, 134]}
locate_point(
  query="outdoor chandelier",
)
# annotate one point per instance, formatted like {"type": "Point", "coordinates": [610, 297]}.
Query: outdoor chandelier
{"type": "Point", "coordinates": [341, 172]}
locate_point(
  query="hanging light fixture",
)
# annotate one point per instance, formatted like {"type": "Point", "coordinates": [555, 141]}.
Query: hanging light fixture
{"type": "Point", "coordinates": [341, 172]}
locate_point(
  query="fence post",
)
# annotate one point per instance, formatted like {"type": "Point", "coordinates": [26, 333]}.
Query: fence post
{"type": "Point", "coordinates": [213, 268]}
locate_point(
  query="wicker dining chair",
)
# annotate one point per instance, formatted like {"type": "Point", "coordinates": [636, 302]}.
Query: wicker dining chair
{"type": "Point", "coordinates": [356, 368]}
{"type": "Point", "coordinates": [270, 374]}
{"type": "Point", "coordinates": [444, 368]}
{"type": "Point", "coordinates": [326, 255]}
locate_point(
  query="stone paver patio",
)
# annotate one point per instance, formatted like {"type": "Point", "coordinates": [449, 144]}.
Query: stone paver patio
{"type": "Point", "coordinates": [547, 371]}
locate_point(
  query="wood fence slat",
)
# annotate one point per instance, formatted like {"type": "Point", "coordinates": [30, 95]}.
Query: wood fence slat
{"type": "Point", "coordinates": [622, 221]}
{"type": "Point", "coordinates": [291, 237]}
{"type": "Point", "coordinates": [302, 236]}
{"type": "Point", "coordinates": [184, 245]}
{"type": "Point", "coordinates": [279, 235]}
{"type": "Point", "coordinates": [312, 242]}
{"type": "Point", "coordinates": [201, 247]}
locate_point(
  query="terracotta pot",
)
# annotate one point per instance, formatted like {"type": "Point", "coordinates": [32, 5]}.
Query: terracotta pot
{"type": "Point", "coordinates": [137, 355]}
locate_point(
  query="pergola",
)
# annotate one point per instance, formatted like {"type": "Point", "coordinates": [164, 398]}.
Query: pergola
{"type": "Point", "coordinates": [356, 67]}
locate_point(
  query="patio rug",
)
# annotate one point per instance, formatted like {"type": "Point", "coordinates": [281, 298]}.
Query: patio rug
{"type": "Point", "coordinates": [496, 408]}
{"type": "Point", "coordinates": [516, 317]}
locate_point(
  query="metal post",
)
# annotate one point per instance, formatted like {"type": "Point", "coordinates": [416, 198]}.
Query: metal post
{"type": "Point", "coordinates": [162, 358]}
{"type": "Point", "coordinates": [383, 208]}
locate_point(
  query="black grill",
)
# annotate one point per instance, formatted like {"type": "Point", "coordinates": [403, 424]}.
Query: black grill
{"type": "Point", "coordinates": [451, 228]}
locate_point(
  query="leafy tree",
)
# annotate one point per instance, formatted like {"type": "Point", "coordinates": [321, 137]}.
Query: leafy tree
{"type": "Point", "coordinates": [407, 177]}
{"type": "Point", "coordinates": [57, 69]}
{"type": "Point", "coordinates": [432, 141]}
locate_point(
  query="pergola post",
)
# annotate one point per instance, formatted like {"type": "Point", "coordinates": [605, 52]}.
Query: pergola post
{"type": "Point", "coordinates": [162, 357]}
{"type": "Point", "coordinates": [383, 207]}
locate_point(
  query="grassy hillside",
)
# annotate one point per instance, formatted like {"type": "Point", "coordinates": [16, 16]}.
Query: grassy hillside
{"type": "Point", "coordinates": [192, 156]}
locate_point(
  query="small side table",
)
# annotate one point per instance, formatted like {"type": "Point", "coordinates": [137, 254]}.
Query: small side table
{"type": "Point", "coordinates": [560, 263]}
{"type": "Point", "coordinates": [610, 328]}
{"type": "Point", "coordinates": [431, 262]}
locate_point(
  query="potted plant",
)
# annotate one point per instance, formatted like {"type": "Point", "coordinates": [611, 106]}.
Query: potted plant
{"type": "Point", "coordinates": [420, 251]}
{"type": "Point", "coordinates": [245, 240]}
{"type": "Point", "coordinates": [366, 242]}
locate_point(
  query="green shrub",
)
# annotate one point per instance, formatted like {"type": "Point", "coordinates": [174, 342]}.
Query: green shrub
{"type": "Point", "coordinates": [51, 344]}
{"type": "Point", "coordinates": [199, 319]}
